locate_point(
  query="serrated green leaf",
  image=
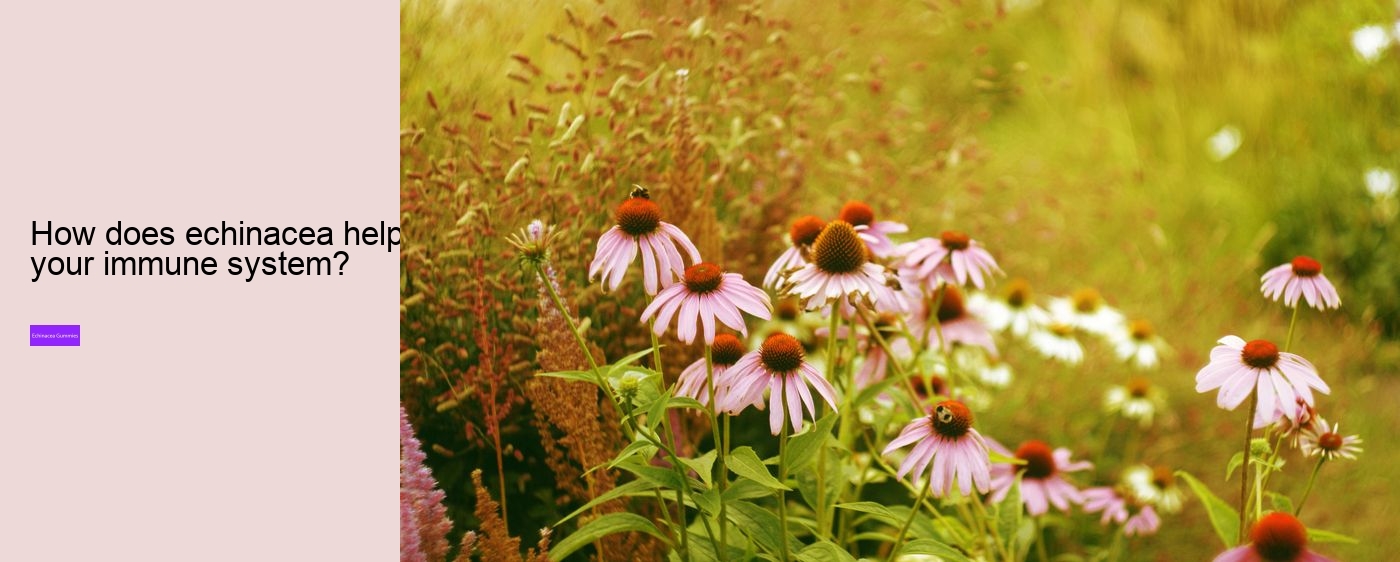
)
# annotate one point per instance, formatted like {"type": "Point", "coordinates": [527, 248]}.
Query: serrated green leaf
{"type": "Point", "coordinates": [744, 462]}
{"type": "Point", "coordinates": [1280, 502]}
{"type": "Point", "coordinates": [1223, 518]}
{"type": "Point", "coordinates": [1321, 536]}
{"type": "Point", "coordinates": [1009, 515]}
{"type": "Point", "coordinates": [601, 527]}
{"type": "Point", "coordinates": [930, 547]}
{"type": "Point", "coordinates": [824, 551]}
{"type": "Point", "coordinates": [802, 449]}
{"type": "Point", "coordinates": [628, 489]}
{"type": "Point", "coordinates": [879, 511]}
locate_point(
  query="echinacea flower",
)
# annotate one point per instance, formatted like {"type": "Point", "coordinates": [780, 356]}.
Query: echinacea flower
{"type": "Point", "coordinates": [777, 366]}
{"type": "Point", "coordinates": [1042, 483]}
{"type": "Point", "coordinates": [1327, 441]}
{"type": "Point", "coordinates": [1138, 400]}
{"type": "Point", "coordinates": [1137, 344]}
{"type": "Point", "coordinates": [1276, 537]}
{"type": "Point", "coordinates": [1289, 428]}
{"type": "Point", "coordinates": [876, 362]}
{"type": "Point", "coordinates": [946, 442]}
{"type": "Point", "coordinates": [956, 325]}
{"type": "Point", "coordinates": [840, 269]}
{"type": "Point", "coordinates": [1015, 311]}
{"type": "Point", "coordinates": [706, 295]}
{"type": "Point", "coordinates": [1119, 509]}
{"type": "Point", "coordinates": [953, 257]}
{"type": "Point", "coordinates": [1300, 277]}
{"type": "Point", "coordinates": [1238, 368]}
{"type": "Point", "coordinates": [875, 234]}
{"type": "Point", "coordinates": [1155, 486]}
{"type": "Point", "coordinates": [801, 235]}
{"type": "Point", "coordinates": [1056, 341]}
{"type": "Point", "coordinates": [1086, 310]}
{"type": "Point", "coordinates": [724, 353]}
{"type": "Point", "coordinates": [639, 228]}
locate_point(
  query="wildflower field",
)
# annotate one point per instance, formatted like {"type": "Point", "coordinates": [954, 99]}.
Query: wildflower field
{"type": "Point", "coordinates": [939, 280]}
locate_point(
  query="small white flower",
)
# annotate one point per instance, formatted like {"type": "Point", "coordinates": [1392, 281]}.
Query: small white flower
{"type": "Point", "coordinates": [1380, 183]}
{"type": "Point", "coordinates": [1369, 41]}
{"type": "Point", "coordinates": [1156, 487]}
{"type": "Point", "coordinates": [1224, 143]}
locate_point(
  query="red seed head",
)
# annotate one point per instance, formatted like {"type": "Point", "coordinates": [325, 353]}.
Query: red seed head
{"type": "Point", "coordinates": [1304, 266]}
{"type": "Point", "coordinates": [1278, 537]}
{"type": "Point", "coordinates": [1330, 442]}
{"type": "Point", "coordinates": [954, 240]}
{"type": "Point", "coordinates": [951, 419]}
{"type": "Point", "coordinates": [804, 230]}
{"type": "Point", "coordinates": [1260, 354]}
{"type": "Point", "coordinates": [781, 353]}
{"type": "Point", "coordinates": [950, 306]}
{"type": "Point", "coordinates": [838, 249]}
{"type": "Point", "coordinates": [638, 216]}
{"type": "Point", "coordinates": [703, 277]}
{"type": "Point", "coordinates": [727, 350]}
{"type": "Point", "coordinates": [1040, 459]}
{"type": "Point", "coordinates": [857, 213]}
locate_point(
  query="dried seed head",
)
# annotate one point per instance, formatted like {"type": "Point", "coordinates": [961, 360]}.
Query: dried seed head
{"type": "Point", "coordinates": [781, 353]}
{"type": "Point", "coordinates": [1304, 266]}
{"type": "Point", "coordinates": [1260, 354]}
{"type": "Point", "coordinates": [638, 216]}
{"type": "Point", "coordinates": [838, 249]}
{"type": "Point", "coordinates": [857, 213]}
{"type": "Point", "coordinates": [703, 277]}
{"type": "Point", "coordinates": [1278, 537]}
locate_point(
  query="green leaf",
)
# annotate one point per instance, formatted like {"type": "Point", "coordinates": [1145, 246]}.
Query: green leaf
{"type": "Point", "coordinates": [1280, 502]}
{"type": "Point", "coordinates": [656, 408]}
{"type": "Point", "coordinates": [620, 364]}
{"type": "Point", "coordinates": [870, 392]}
{"type": "Point", "coordinates": [759, 523]}
{"type": "Point", "coordinates": [707, 501]}
{"type": "Point", "coordinates": [628, 489]}
{"type": "Point", "coordinates": [930, 547]}
{"type": "Point", "coordinates": [824, 551]}
{"type": "Point", "coordinates": [601, 527]}
{"type": "Point", "coordinates": [584, 376]}
{"type": "Point", "coordinates": [879, 511]}
{"type": "Point", "coordinates": [1223, 517]}
{"type": "Point", "coordinates": [645, 448]}
{"type": "Point", "coordinates": [999, 458]}
{"type": "Point", "coordinates": [744, 462]}
{"type": "Point", "coordinates": [1321, 536]}
{"type": "Point", "coordinates": [704, 465]}
{"type": "Point", "coordinates": [1009, 515]}
{"type": "Point", "coordinates": [663, 477]}
{"type": "Point", "coordinates": [1234, 465]}
{"type": "Point", "coordinates": [685, 402]}
{"type": "Point", "coordinates": [745, 490]}
{"type": "Point", "coordinates": [802, 449]}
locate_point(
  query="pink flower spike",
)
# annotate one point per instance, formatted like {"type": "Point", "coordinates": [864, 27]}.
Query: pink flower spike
{"type": "Point", "coordinates": [639, 229]}
{"type": "Point", "coordinates": [779, 367]}
{"type": "Point", "coordinates": [1300, 277]}
{"type": "Point", "coordinates": [947, 447]}
{"type": "Point", "coordinates": [1281, 379]}
{"type": "Point", "coordinates": [706, 295]}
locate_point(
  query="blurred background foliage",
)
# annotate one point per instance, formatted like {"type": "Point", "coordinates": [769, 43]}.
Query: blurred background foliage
{"type": "Point", "coordinates": [1166, 153]}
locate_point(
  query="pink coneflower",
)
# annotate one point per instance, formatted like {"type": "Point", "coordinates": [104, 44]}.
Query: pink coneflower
{"type": "Point", "coordinates": [947, 442]}
{"type": "Point", "coordinates": [957, 325]}
{"type": "Point", "coordinates": [1276, 537]}
{"type": "Point", "coordinates": [954, 258]}
{"type": "Point", "coordinates": [876, 363]}
{"type": "Point", "coordinates": [1041, 482]}
{"type": "Point", "coordinates": [1288, 427]}
{"type": "Point", "coordinates": [1302, 276]}
{"type": "Point", "coordinates": [840, 269]}
{"type": "Point", "coordinates": [1116, 509]}
{"type": "Point", "coordinates": [778, 366]}
{"type": "Point", "coordinates": [1237, 368]}
{"type": "Point", "coordinates": [639, 227]}
{"type": "Point", "coordinates": [706, 295]}
{"type": "Point", "coordinates": [724, 353]}
{"type": "Point", "coordinates": [1326, 440]}
{"type": "Point", "coordinates": [801, 235]}
{"type": "Point", "coordinates": [875, 234]}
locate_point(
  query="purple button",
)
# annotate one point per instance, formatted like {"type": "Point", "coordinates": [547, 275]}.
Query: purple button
{"type": "Point", "coordinates": [54, 334]}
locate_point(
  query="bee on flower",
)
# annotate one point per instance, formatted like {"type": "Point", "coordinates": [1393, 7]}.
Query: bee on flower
{"type": "Point", "coordinates": [639, 229]}
{"type": "Point", "coordinates": [948, 447]}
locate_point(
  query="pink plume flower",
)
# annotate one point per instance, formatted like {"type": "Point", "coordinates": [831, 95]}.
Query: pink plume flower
{"type": "Point", "coordinates": [423, 522]}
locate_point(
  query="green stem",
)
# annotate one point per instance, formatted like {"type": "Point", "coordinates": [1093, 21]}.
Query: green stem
{"type": "Point", "coordinates": [991, 530]}
{"type": "Point", "coordinates": [1244, 474]}
{"type": "Point", "coordinates": [782, 478]}
{"type": "Point", "coordinates": [1115, 550]}
{"type": "Point", "coordinates": [1288, 344]}
{"type": "Point", "coordinates": [721, 449]}
{"type": "Point", "coordinates": [823, 526]}
{"type": "Point", "coordinates": [914, 510]}
{"type": "Point", "coordinates": [1040, 539]}
{"type": "Point", "coordinates": [1297, 511]}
